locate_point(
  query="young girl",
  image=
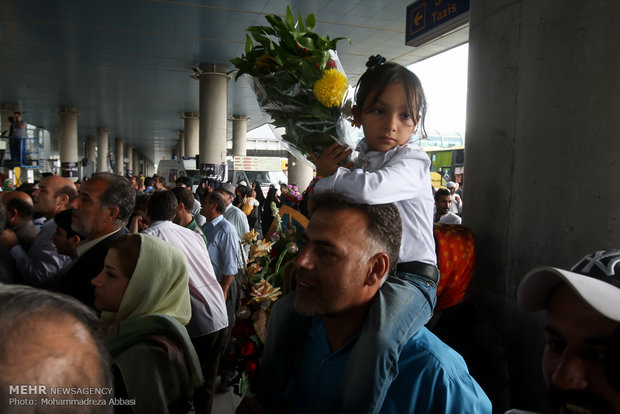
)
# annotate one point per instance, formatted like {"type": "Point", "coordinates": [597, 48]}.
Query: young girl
{"type": "Point", "coordinates": [390, 107]}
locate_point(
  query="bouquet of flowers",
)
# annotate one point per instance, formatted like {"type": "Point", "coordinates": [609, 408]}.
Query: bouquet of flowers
{"type": "Point", "coordinates": [291, 196]}
{"type": "Point", "coordinates": [262, 281]}
{"type": "Point", "coordinates": [298, 82]}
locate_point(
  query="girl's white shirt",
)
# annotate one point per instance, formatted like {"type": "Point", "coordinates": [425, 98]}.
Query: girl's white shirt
{"type": "Point", "coordinates": [400, 176]}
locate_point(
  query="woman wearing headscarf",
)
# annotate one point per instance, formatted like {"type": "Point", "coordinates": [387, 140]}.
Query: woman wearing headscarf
{"type": "Point", "coordinates": [267, 213]}
{"type": "Point", "coordinates": [144, 298]}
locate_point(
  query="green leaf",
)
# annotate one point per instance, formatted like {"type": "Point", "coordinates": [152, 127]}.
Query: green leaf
{"type": "Point", "coordinates": [290, 19]}
{"type": "Point", "coordinates": [300, 23]}
{"type": "Point", "coordinates": [249, 45]}
{"type": "Point", "coordinates": [274, 20]}
{"type": "Point", "coordinates": [310, 21]}
{"type": "Point", "coordinates": [306, 43]}
{"type": "Point", "coordinates": [244, 385]}
{"type": "Point", "coordinates": [264, 40]}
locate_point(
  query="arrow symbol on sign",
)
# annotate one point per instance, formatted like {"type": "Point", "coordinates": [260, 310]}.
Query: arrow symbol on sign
{"type": "Point", "coordinates": [417, 18]}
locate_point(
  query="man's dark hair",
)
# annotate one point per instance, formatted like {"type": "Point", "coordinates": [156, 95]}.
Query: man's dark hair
{"type": "Point", "coordinates": [27, 188]}
{"type": "Point", "coordinates": [442, 192]}
{"type": "Point", "coordinates": [24, 209]}
{"type": "Point", "coordinates": [384, 223]}
{"type": "Point", "coordinates": [22, 311]}
{"type": "Point", "coordinates": [243, 190]}
{"type": "Point", "coordinates": [184, 195]}
{"type": "Point", "coordinates": [162, 206]}
{"type": "Point", "coordinates": [63, 220]}
{"type": "Point", "coordinates": [185, 180]}
{"type": "Point", "coordinates": [217, 198]}
{"type": "Point", "coordinates": [142, 202]}
{"type": "Point", "coordinates": [148, 182]}
{"type": "Point", "coordinates": [120, 193]}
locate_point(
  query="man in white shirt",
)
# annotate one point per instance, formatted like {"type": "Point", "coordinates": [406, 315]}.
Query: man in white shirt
{"type": "Point", "coordinates": [207, 327]}
{"type": "Point", "coordinates": [233, 214]}
{"type": "Point", "coordinates": [443, 202]}
{"type": "Point", "coordinates": [457, 203]}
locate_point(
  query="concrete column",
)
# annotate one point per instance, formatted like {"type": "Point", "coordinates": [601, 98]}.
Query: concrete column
{"type": "Point", "coordinates": [119, 164]}
{"type": "Point", "coordinates": [102, 149]}
{"type": "Point", "coordinates": [541, 155]}
{"type": "Point", "coordinates": [137, 167]}
{"type": "Point", "coordinates": [239, 130]}
{"type": "Point", "coordinates": [68, 142]}
{"type": "Point", "coordinates": [191, 133]}
{"type": "Point", "coordinates": [129, 157]}
{"type": "Point", "coordinates": [91, 149]}
{"type": "Point", "coordinates": [213, 114]}
{"type": "Point", "coordinates": [300, 172]}
{"type": "Point", "coordinates": [181, 144]}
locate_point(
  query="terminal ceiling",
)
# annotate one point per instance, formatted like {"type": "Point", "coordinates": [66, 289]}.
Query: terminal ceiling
{"type": "Point", "coordinates": [126, 64]}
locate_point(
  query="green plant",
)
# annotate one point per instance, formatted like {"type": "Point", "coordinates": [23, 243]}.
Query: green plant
{"type": "Point", "coordinates": [286, 60]}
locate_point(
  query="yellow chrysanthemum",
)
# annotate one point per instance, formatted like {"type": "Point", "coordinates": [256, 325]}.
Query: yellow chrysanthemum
{"type": "Point", "coordinates": [330, 89]}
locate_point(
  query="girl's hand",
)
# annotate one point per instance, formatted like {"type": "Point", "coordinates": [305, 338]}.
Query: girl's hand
{"type": "Point", "coordinates": [331, 158]}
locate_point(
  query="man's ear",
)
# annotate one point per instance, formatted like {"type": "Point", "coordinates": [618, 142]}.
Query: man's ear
{"type": "Point", "coordinates": [379, 266]}
{"type": "Point", "coordinates": [64, 200]}
{"type": "Point", "coordinates": [180, 207]}
{"type": "Point", "coordinates": [11, 214]}
{"type": "Point", "coordinates": [112, 212]}
{"type": "Point", "coordinates": [74, 241]}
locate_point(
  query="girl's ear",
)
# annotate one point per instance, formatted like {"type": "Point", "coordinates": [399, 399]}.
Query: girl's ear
{"type": "Point", "coordinates": [357, 116]}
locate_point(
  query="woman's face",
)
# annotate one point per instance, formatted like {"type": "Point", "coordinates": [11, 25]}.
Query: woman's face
{"type": "Point", "coordinates": [110, 284]}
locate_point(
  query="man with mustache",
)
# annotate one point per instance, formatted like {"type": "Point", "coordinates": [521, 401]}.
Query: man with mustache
{"type": "Point", "coordinates": [581, 358]}
{"type": "Point", "coordinates": [348, 250]}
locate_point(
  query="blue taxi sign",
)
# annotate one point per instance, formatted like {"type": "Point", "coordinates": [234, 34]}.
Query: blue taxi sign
{"type": "Point", "coordinates": [429, 19]}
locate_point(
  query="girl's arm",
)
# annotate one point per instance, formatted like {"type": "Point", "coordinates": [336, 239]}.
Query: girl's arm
{"type": "Point", "coordinates": [401, 178]}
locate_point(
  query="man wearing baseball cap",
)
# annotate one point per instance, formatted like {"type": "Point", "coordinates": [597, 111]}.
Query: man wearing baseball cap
{"type": "Point", "coordinates": [581, 359]}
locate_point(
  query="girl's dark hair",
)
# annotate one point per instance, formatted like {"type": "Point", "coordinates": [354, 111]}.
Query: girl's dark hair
{"type": "Point", "coordinates": [374, 81]}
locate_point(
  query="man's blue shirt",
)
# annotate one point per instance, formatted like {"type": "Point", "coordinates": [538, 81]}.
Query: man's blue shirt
{"type": "Point", "coordinates": [223, 246]}
{"type": "Point", "coordinates": [432, 378]}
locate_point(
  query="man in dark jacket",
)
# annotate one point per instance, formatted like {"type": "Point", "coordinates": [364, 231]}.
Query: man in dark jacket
{"type": "Point", "coordinates": [100, 213]}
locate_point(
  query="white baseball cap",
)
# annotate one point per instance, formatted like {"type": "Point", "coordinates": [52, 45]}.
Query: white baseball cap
{"type": "Point", "coordinates": [595, 278]}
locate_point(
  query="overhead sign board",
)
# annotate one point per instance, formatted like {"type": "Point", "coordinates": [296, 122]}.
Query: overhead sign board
{"type": "Point", "coordinates": [257, 163]}
{"type": "Point", "coordinates": [430, 19]}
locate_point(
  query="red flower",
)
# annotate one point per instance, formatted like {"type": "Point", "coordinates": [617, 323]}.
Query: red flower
{"type": "Point", "coordinates": [242, 329]}
{"type": "Point", "coordinates": [248, 348]}
{"type": "Point", "coordinates": [251, 366]}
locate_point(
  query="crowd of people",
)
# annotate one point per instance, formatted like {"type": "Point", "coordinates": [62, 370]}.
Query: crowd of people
{"type": "Point", "coordinates": [131, 287]}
